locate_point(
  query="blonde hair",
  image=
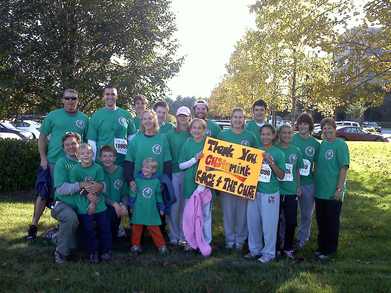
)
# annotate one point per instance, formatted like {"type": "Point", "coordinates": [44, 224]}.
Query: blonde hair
{"type": "Point", "coordinates": [84, 146]}
{"type": "Point", "coordinates": [155, 121]}
{"type": "Point", "coordinates": [194, 120]}
{"type": "Point", "coordinates": [238, 109]}
{"type": "Point", "coordinates": [151, 162]}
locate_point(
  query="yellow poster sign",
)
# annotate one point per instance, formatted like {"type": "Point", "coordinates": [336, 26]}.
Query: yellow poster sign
{"type": "Point", "coordinates": [230, 167]}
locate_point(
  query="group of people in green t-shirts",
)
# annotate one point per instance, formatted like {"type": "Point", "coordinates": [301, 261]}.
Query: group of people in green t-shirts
{"type": "Point", "coordinates": [113, 165]}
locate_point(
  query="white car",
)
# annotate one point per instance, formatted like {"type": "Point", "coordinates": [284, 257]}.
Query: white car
{"type": "Point", "coordinates": [4, 135]}
{"type": "Point", "coordinates": [348, 123]}
{"type": "Point", "coordinates": [28, 125]}
{"type": "Point", "coordinates": [7, 125]}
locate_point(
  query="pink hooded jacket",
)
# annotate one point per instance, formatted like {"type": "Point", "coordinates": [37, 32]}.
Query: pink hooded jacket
{"type": "Point", "coordinates": [193, 220]}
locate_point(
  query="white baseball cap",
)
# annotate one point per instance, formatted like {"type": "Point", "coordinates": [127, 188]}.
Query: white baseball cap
{"type": "Point", "coordinates": [183, 111]}
{"type": "Point", "coordinates": [201, 102]}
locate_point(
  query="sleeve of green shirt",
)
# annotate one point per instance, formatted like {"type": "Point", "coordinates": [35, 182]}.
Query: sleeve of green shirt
{"type": "Point", "coordinates": [131, 126]}
{"type": "Point", "coordinates": [131, 150]}
{"type": "Point", "coordinates": [59, 174]}
{"type": "Point", "coordinates": [253, 142]}
{"type": "Point", "coordinates": [166, 150]}
{"type": "Point", "coordinates": [100, 175]}
{"type": "Point", "coordinates": [159, 198]}
{"type": "Point", "coordinates": [182, 154]}
{"type": "Point", "coordinates": [343, 158]}
{"type": "Point", "coordinates": [73, 178]}
{"type": "Point", "coordinates": [300, 162]}
{"type": "Point", "coordinates": [47, 125]}
{"type": "Point", "coordinates": [85, 131]}
{"type": "Point", "coordinates": [280, 161]}
{"type": "Point", "coordinates": [92, 133]}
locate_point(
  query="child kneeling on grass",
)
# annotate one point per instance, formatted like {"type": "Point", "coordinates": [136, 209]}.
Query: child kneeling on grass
{"type": "Point", "coordinates": [146, 204]}
{"type": "Point", "coordinates": [88, 211]}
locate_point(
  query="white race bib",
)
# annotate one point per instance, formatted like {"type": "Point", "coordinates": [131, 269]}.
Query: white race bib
{"type": "Point", "coordinates": [266, 173]}
{"type": "Point", "coordinates": [288, 173]}
{"type": "Point", "coordinates": [121, 145]}
{"type": "Point", "coordinates": [307, 168]}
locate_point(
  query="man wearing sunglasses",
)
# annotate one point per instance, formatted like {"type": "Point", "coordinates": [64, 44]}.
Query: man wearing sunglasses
{"type": "Point", "coordinates": [56, 124]}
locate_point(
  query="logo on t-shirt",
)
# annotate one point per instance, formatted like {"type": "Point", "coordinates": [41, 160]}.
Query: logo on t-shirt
{"type": "Point", "coordinates": [157, 149]}
{"type": "Point", "coordinates": [245, 142]}
{"type": "Point", "coordinates": [118, 184]}
{"type": "Point", "coordinates": [292, 158]}
{"type": "Point", "coordinates": [329, 154]}
{"type": "Point", "coordinates": [88, 179]}
{"type": "Point", "coordinates": [80, 123]}
{"type": "Point", "coordinates": [310, 151]}
{"type": "Point", "coordinates": [123, 122]}
{"type": "Point", "coordinates": [147, 192]}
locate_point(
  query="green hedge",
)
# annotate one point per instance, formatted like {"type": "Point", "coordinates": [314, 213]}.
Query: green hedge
{"type": "Point", "coordinates": [19, 161]}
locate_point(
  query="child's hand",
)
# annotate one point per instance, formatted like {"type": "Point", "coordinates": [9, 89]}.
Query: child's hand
{"type": "Point", "coordinates": [133, 186]}
{"type": "Point", "coordinates": [92, 197]}
{"type": "Point", "coordinates": [123, 210]}
{"type": "Point", "coordinates": [117, 209]}
{"type": "Point", "coordinates": [199, 156]}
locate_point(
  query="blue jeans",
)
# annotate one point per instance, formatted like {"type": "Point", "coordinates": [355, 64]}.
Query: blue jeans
{"type": "Point", "coordinates": [114, 221]}
{"type": "Point", "coordinates": [93, 244]}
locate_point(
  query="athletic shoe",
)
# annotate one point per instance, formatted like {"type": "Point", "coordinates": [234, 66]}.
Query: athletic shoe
{"type": "Point", "coordinates": [121, 232]}
{"type": "Point", "coordinates": [59, 258]}
{"type": "Point", "coordinates": [106, 256]}
{"type": "Point", "coordinates": [250, 256]}
{"type": "Point", "coordinates": [289, 254]}
{"type": "Point", "coordinates": [163, 251]}
{"type": "Point", "coordinates": [135, 250]}
{"type": "Point", "coordinates": [188, 248]}
{"type": "Point", "coordinates": [32, 232]}
{"type": "Point", "coordinates": [94, 258]}
{"type": "Point", "coordinates": [265, 259]}
{"type": "Point", "coordinates": [317, 253]}
{"type": "Point", "coordinates": [323, 257]}
{"type": "Point", "coordinates": [239, 247]}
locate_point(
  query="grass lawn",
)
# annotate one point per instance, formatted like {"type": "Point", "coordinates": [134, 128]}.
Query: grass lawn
{"type": "Point", "coordinates": [363, 263]}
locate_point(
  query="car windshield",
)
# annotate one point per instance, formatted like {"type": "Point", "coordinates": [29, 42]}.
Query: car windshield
{"type": "Point", "coordinates": [8, 125]}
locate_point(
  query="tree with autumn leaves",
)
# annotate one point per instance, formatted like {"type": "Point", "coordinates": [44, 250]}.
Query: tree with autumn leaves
{"type": "Point", "coordinates": [305, 55]}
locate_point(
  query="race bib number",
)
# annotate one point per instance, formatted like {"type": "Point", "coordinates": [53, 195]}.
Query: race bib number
{"type": "Point", "coordinates": [307, 168]}
{"type": "Point", "coordinates": [288, 173]}
{"type": "Point", "coordinates": [121, 145]}
{"type": "Point", "coordinates": [266, 173]}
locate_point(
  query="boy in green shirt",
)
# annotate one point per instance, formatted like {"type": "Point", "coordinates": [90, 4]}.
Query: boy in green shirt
{"type": "Point", "coordinates": [201, 111]}
{"type": "Point", "coordinates": [259, 114]}
{"type": "Point", "coordinates": [115, 189]}
{"type": "Point", "coordinates": [161, 108]}
{"type": "Point", "coordinates": [309, 147]}
{"type": "Point", "coordinates": [331, 169]}
{"type": "Point", "coordinates": [140, 103]}
{"type": "Point", "coordinates": [88, 211]}
{"type": "Point", "coordinates": [146, 205]}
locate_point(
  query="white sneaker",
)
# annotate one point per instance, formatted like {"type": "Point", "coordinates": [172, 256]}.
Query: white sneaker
{"type": "Point", "coordinates": [121, 232]}
{"type": "Point", "coordinates": [265, 259]}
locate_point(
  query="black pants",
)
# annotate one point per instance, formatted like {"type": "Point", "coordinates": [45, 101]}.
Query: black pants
{"type": "Point", "coordinates": [115, 221]}
{"type": "Point", "coordinates": [327, 216]}
{"type": "Point", "coordinates": [287, 222]}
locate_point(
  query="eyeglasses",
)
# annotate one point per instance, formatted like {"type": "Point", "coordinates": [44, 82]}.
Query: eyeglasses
{"type": "Point", "coordinates": [70, 98]}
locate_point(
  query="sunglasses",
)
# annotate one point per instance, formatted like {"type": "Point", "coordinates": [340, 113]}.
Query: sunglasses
{"type": "Point", "coordinates": [70, 98]}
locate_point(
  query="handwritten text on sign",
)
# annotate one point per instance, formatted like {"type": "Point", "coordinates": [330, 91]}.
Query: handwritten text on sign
{"type": "Point", "coordinates": [230, 167]}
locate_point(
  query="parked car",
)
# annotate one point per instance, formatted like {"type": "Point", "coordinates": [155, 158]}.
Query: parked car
{"type": "Point", "coordinates": [224, 124]}
{"type": "Point", "coordinates": [4, 135]}
{"type": "Point", "coordinates": [357, 134]}
{"type": "Point", "coordinates": [371, 126]}
{"type": "Point", "coordinates": [28, 125]}
{"type": "Point", "coordinates": [7, 127]}
{"type": "Point", "coordinates": [347, 123]}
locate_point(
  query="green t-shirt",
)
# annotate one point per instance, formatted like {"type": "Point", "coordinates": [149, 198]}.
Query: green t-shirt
{"type": "Point", "coordinates": [137, 122]}
{"type": "Point", "coordinates": [309, 148]}
{"type": "Point", "coordinates": [82, 174]}
{"type": "Point", "coordinates": [176, 140]}
{"type": "Point", "coordinates": [111, 127]}
{"type": "Point", "coordinates": [268, 182]}
{"type": "Point", "coordinates": [212, 129]}
{"type": "Point", "coordinates": [255, 129]}
{"type": "Point", "coordinates": [331, 158]}
{"type": "Point", "coordinates": [293, 162]}
{"type": "Point", "coordinates": [244, 138]}
{"type": "Point", "coordinates": [166, 127]}
{"type": "Point", "coordinates": [148, 194]}
{"type": "Point", "coordinates": [61, 173]}
{"type": "Point", "coordinates": [189, 151]}
{"type": "Point", "coordinates": [142, 147]}
{"type": "Point", "coordinates": [115, 186]}
{"type": "Point", "coordinates": [56, 124]}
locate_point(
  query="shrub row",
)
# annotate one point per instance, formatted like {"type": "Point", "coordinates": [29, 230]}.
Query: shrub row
{"type": "Point", "coordinates": [19, 161]}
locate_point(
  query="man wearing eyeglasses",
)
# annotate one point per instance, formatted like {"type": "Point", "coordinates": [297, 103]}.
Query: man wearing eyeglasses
{"type": "Point", "coordinates": [111, 125]}
{"type": "Point", "coordinates": [56, 124]}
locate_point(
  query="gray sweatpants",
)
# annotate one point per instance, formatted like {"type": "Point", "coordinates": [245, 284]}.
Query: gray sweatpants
{"type": "Point", "coordinates": [66, 235]}
{"type": "Point", "coordinates": [174, 219]}
{"type": "Point", "coordinates": [262, 219]}
{"type": "Point", "coordinates": [234, 218]}
{"type": "Point", "coordinates": [307, 204]}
